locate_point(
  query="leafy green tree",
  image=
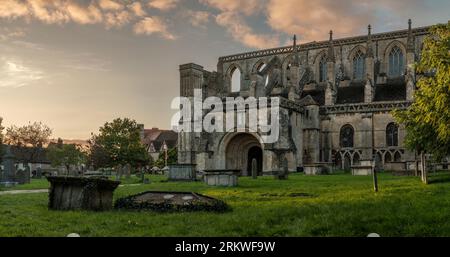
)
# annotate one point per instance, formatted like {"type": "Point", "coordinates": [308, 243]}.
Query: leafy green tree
{"type": "Point", "coordinates": [171, 158]}
{"type": "Point", "coordinates": [427, 120]}
{"type": "Point", "coordinates": [32, 137]}
{"type": "Point", "coordinates": [1, 139]}
{"type": "Point", "coordinates": [65, 155]}
{"type": "Point", "coordinates": [118, 142]}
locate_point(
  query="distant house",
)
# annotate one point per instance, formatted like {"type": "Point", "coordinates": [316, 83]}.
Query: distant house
{"type": "Point", "coordinates": [155, 140]}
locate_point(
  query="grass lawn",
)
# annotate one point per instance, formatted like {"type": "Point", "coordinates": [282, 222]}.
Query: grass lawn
{"type": "Point", "coordinates": [333, 205]}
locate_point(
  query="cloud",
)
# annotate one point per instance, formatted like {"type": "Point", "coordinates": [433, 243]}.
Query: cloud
{"type": "Point", "coordinates": [15, 74]}
{"type": "Point", "coordinates": [49, 12]}
{"type": "Point", "coordinates": [117, 19]}
{"type": "Point", "coordinates": [312, 20]}
{"type": "Point", "coordinates": [81, 15]}
{"type": "Point", "coordinates": [110, 5]}
{"type": "Point", "coordinates": [137, 9]}
{"type": "Point", "coordinates": [198, 18]}
{"type": "Point", "coordinates": [11, 33]}
{"type": "Point", "coordinates": [241, 32]}
{"type": "Point", "coordinates": [163, 5]}
{"type": "Point", "coordinates": [248, 7]}
{"type": "Point", "coordinates": [152, 25]}
{"type": "Point", "coordinates": [12, 9]}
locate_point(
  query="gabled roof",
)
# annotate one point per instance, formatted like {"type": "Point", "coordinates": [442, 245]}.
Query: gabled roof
{"type": "Point", "coordinates": [307, 100]}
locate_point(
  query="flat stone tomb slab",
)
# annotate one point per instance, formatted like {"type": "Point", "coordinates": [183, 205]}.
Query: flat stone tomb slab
{"type": "Point", "coordinates": [170, 201]}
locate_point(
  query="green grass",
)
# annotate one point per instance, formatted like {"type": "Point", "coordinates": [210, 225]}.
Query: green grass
{"type": "Point", "coordinates": [333, 205]}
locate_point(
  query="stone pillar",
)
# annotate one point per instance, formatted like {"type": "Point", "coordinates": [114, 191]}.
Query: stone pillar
{"type": "Point", "coordinates": [410, 59]}
{"type": "Point", "coordinates": [369, 87]}
{"type": "Point", "coordinates": [331, 74]}
{"type": "Point", "coordinates": [366, 136]}
{"type": "Point", "coordinates": [191, 77]}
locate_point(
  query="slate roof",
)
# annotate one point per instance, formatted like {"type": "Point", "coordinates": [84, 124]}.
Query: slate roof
{"type": "Point", "coordinates": [157, 137]}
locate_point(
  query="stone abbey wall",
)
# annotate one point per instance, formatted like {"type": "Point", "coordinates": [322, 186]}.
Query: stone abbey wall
{"type": "Point", "coordinates": [321, 94]}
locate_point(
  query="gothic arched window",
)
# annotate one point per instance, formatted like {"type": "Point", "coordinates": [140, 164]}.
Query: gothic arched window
{"type": "Point", "coordinates": [235, 80]}
{"type": "Point", "coordinates": [323, 69]}
{"type": "Point", "coordinates": [358, 65]}
{"type": "Point", "coordinates": [392, 134]}
{"type": "Point", "coordinates": [346, 136]}
{"type": "Point", "coordinates": [396, 63]}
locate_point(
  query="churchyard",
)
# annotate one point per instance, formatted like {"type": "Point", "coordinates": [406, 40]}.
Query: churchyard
{"type": "Point", "coordinates": [327, 205]}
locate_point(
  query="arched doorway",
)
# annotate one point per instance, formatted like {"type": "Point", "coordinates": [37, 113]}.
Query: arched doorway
{"type": "Point", "coordinates": [255, 152]}
{"type": "Point", "coordinates": [241, 150]}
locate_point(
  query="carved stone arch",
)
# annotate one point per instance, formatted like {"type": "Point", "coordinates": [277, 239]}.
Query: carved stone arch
{"type": "Point", "coordinates": [229, 74]}
{"type": "Point", "coordinates": [356, 158]}
{"type": "Point", "coordinates": [354, 50]}
{"type": "Point", "coordinates": [322, 55]}
{"type": "Point", "coordinates": [285, 67]}
{"type": "Point", "coordinates": [347, 161]}
{"type": "Point", "coordinates": [388, 157]}
{"type": "Point", "coordinates": [397, 156]}
{"type": "Point", "coordinates": [319, 56]}
{"type": "Point", "coordinates": [391, 45]}
{"type": "Point", "coordinates": [258, 64]}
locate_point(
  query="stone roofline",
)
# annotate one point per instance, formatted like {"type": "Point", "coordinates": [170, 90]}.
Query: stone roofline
{"type": "Point", "coordinates": [322, 44]}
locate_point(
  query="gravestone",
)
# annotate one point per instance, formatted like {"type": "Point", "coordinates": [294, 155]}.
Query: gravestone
{"type": "Point", "coordinates": [27, 174]}
{"type": "Point", "coordinates": [9, 172]}
{"type": "Point", "coordinates": [119, 172]}
{"type": "Point", "coordinates": [39, 172]}
{"type": "Point", "coordinates": [283, 172]}
{"type": "Point", "coordinates": [21, 177]}
{"type": "Point", "coordinates": [127, 170]}
{"type": "Point", "coordinates": [254, 169]}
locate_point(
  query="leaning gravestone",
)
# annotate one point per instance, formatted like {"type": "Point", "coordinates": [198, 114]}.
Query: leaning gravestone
{"type": "Point", "coordinates": [127, 170]}
{"type": "Point", "coordinates": [80, 193]}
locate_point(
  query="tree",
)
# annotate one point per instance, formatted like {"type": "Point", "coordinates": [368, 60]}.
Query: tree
{"type": "Point", "coordinates": [31, 138]}
{"type": "Point", "coordinates": [1, 139]}
{"type": "Point", "coordinates": [171, 158]}
{"type": "Point", "coordinates": [119, 142]}
{"type": "Point", "coordinates": [427, 120]}
{"type": "Point", "coordinates": [65, 155]}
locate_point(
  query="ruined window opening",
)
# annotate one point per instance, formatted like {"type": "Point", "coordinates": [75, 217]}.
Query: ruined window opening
{"type": "Point", "coordinates": [235, 80]}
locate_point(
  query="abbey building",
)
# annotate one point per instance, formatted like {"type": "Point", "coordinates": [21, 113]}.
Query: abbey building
{"type": "Point", "coordinates": [335, 101]}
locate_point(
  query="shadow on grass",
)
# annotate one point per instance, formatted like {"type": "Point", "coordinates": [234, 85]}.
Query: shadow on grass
{"type": "Point", "coordinates": [440, 177]}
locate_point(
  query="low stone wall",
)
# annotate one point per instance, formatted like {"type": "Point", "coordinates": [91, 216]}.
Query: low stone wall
{"type": "Point", "coordinates": [182, 172]}
{"type": "Point", "coordinates": [221, 177]}
{"type": "Point", "coordinates": [81, 193]}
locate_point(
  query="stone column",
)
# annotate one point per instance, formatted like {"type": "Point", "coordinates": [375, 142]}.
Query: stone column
{"type": "Point", "coordinates": [369, 87]}
{"type": "Point", "coordinates": [410, 59]}
{"type": "Point", "coordinates": [366, 138]}
{"type": "Point", "coordinates": [331, 74]}
{"type": "Point", "coordinates": [191, 77]}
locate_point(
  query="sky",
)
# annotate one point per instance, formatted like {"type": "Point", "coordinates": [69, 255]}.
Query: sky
{"type": "Point", "coordinates": [75, 65]}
